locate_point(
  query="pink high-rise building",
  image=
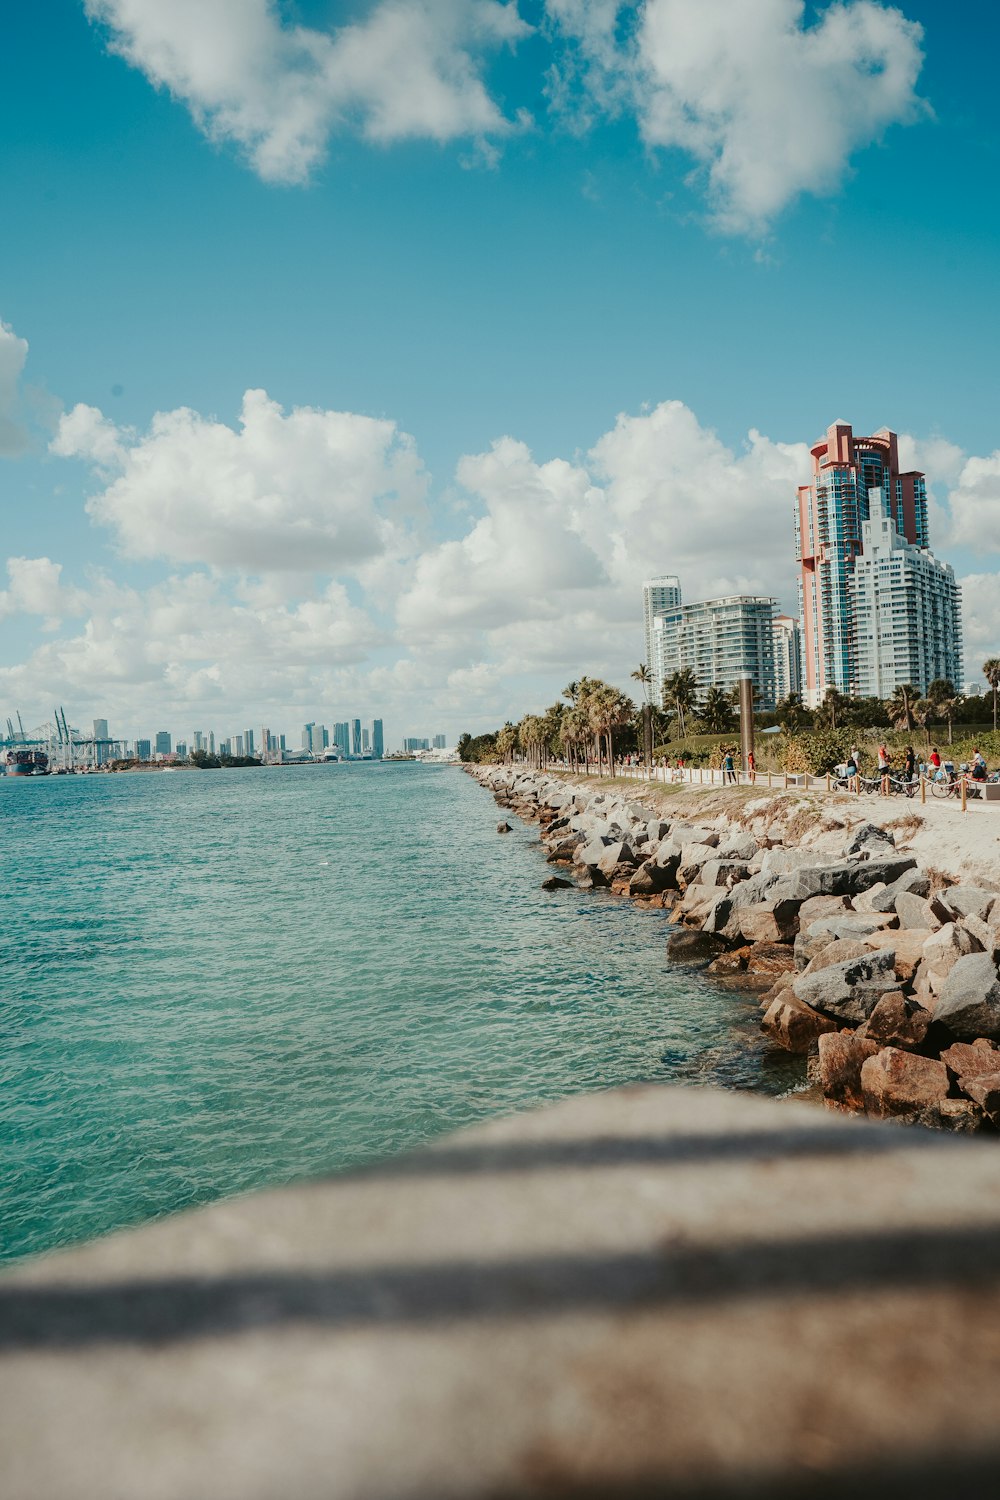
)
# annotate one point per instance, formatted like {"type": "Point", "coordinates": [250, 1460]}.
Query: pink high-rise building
{"type": "Point", "coordinates": [828, 522]}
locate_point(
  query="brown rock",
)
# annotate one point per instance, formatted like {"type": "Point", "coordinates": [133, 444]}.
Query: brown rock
{"type": "Point", "coordinates": [959, 1114]}
{"type": "Point", "coordinates": [915, 911]}
{"type": "Point", "coordinates": [727, 964]}
{"type": "Point", "coordinates": [838, 1068]}
{"type": "Point", "coordinates": [769, 921]}
{"type": "Point", "coordinates": [986, 936]}
{"type": "Point", "coordinates": [908, 946]}
{"type": "Point", "coordinates": [971, 1059]}
{"type": "Point", "coordinates": [901, 1083]}
{"type": "Point", "coordinates": [897, 1022]}
{"type": "Point", "coordinates": [556, 883]}
{"type": "Point", "coordinates": [835, 952]}
{"type": "Point", "coordinates": [985, 1091]}
{"type": "Point", "coordinates": [942, 951]}
{"type": "Point", "coordinates": [822, 906]}
{"type": "Point", "coordinates": [693, 947]}
{"type": "Point", "coordinates": [793, 1024]}
{"type": "Point", "coordinates": [770, 960]}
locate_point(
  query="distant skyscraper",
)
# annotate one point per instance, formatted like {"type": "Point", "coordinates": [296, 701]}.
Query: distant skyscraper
{"type": "Point", "coordinates": [905, 610]}
{"type": "Point", "coordinates": [199, 740]}
{"type": "Point", "coordinates": [307, 736]}
{"type": "Point", "coordinates": [101, 729]}
{"type": "Point", "coordinates": [440, 742]}
{"type": "Point", "coordinates": [163, 743]}
{"type": "Point", "coordinates": [366, 743]}
{"type": "Point", "coordinates": [356, 737]}
{"type": "Point", "coordinates": [832, 509]}
{"type": "Point", "coordinates": [182, 749]}
{"type": "Point", "coordinates": [102, 752]}
{"type": "Point", "coordinates": [237, 744]}
{"type": "Point", "coordinates": [342, 738]}
{"type": "Point", "coordinates": [143, 749]}
{"type": "Point", "coordinates": [211, 742]}
{"type": "Point", "coordinates": [378, 739]}
{"type": "Point", "coordinates": [248, 742]}
{"type": "Point", "coordinates": [658, 595]}
{"type": "Point", "coordinates": [787, 657]}
{"type": "Point", "coordinates": [412, 745]}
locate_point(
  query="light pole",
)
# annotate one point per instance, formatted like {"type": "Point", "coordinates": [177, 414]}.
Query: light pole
{"type": "Point", "coordinates": [746, 718]}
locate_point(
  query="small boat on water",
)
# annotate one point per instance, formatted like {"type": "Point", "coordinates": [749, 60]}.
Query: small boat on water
{"type": "Point", "coordinates": [24, 762]}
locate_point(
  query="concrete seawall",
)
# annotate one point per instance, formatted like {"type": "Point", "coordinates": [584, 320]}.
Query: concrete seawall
{"type": "Point", "coordinates": [651, 1291]}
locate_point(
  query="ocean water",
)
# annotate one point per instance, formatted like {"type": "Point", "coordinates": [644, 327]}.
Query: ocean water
{"type": "Point", "coordinates": [212, 981]}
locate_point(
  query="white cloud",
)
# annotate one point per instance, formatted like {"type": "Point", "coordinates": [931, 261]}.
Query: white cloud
{"type": "Point", "coordinates": [284, 493]}
{"type": "Point", "coordinates": [190, 640]}
{"type": "Point", "coordinates": [35, 587]}
{"type": "Point", "coordinates": [13, 354]}
{"type": "Point", "coordinates": [974, 503]}
{"type": "Point", "coordinates": [770, 108]}
{"type": "Point", "coordinates": [410, 68]}
{"type": "Point", "coordinates": [980, 620]}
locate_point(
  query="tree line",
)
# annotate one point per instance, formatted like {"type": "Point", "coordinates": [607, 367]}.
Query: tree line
{"type": "Point", "coordinates": [594, 722]}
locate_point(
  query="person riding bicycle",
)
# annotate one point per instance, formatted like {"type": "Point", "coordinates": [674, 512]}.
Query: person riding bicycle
{"type": "Point", "coordinates": [934, 761]}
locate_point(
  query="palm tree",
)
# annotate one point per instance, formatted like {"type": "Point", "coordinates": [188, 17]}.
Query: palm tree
{"type": "Point", "coordinates": [716, 712]}
{"type": "Point", "coordinates": [991, 671]}
{"type": "Point", "coordinates": [900, 706]}
{"type": "Point", "coordinates": [681, 691]}
{"type": "Point", "coordinates": [506, 741]}
{"type": "Point", "coordinates": [924, 710]}
{"type": "Point", "coordinates": [644, 677]}
{"type": "Point", "coordinates": [941, 695]}
{"type": "Point", "coordinates": [833, 703]}
{"type": "Point", "coordinates": [790, 712]}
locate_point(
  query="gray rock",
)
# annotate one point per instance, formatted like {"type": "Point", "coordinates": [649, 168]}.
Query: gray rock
{"type": "Point", "coordinates": [969, 1002]}
{"type": "Point", "coordinates": [503, 828]}
{"type": "Point", "coordinates": [738, 846]}
{"type": "Point", "coordinates": [968, 900]}
{"type": "Point", "coordinates": [915, 911]}
{"type": "Point", "coordinates": [849, 990]}
{"type": "Point", "coordinates": [843, 879]}
{"type": "Point", "coordinates": [724, 872]}
{"type": "Point", "coordinates": [913, 882]}
{"type": "Point", "coordinates": [650, 879]}
{"type": "Point", "coordinates": [869, 840]}
{"type": "Point", "coordinates": [850, 924]}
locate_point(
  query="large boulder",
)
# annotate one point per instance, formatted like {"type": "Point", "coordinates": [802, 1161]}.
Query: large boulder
{"type": "Point", "coordinates": [693, 947]}
{"type": "Point", "coordinates": [967, 901]}
{"type": "Point", "coordinates": [912, 882]}
{"type": "Point", "coordinates": [822, 906]}
{"type": "Point", "coordinates": [971, 1059]}
{"type": "Point", "coordinates": [793, 1024]}
{"type": "Point", "coordinates": [869, 841]}
{"type": "Point", "coordinates": [852, 924]}
{"type": "Point", "coordinates": [841, 1056]}
{"type": "Point", "coordinates": [897, 1022]}
{"type": "Point", "coordinates": [847, 879]}
{"type": "Point", "coordinates": [969, 1002]}
{"type": "Point", "coordinates": [768, 921]}
{"type": "Point", "coordinates": [984, 1090]}
{"type": "Point", "coordinates": [836, 951]}
{"type": "Point", "coordinates": [849, 990]}
{"type": "Point", "coordinates": [907, 945]}
{"type": "Point", "coordinates": [737, 845]}
{"type": "Point", "coordinates": [618, 853]}
{"type": "Point", "coordinates": [650, 879]}
{"type": "Point", "coordinates": [894, 1082]}
{"type": "Point", "coordinates": [916, 912]}
{"type": "Point", "coordinates": [942, 951]}
{"type": "Point", "coordinates": [727, 872]}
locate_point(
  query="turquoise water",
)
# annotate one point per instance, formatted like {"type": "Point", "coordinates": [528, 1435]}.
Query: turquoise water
{"type": "Point", "coordinates": [211, 981]}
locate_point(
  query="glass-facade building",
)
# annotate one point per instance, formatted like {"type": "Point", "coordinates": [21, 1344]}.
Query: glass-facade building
{"type": "Point", "coordinates": [832, 510]}
{"type": "Point", "coordinates": [719, 640]}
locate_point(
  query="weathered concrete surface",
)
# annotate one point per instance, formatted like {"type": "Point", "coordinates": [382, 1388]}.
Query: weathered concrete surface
{"type": "Point", "coordinates": [653, 1291]}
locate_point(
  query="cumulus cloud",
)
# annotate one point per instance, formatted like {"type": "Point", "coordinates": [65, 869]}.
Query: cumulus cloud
{"type": "Point", "coordinates": [283, 493]}
{"type": "Point", "coordinates": [13, 354]}
{"type": "Point", "coordinates": [548, 576]}
{"type": "Point", "coordinates": [191, 640]}
{"type": "Point", "coordinates": [767, 106]}
{"type": "Point", "coordinates": [410, 68]}
{"type": "Point", "coordinates": [35, 587]}
{"type": "Point", "coordinates": [974, 503]}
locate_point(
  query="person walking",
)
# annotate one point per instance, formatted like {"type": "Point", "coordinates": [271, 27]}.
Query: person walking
{"type": "Point", "coordinates": [751, 766]}
{"type": "Point", "coordinates": [909, 770]}
{"type": "Point", "coordinates": [883, 770]}
{"type": "Point", "coordinates": [728, 767]}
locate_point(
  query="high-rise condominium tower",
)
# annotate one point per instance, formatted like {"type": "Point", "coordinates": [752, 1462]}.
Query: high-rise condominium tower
{"type": "Point", "coordinates": [378, 739]}
{"type": "Point", "coordinates": [832, 510]}
{"type": "Point", "coordinates": [658, 596]}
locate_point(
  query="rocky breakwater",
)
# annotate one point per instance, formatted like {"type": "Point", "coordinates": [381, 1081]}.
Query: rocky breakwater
{"type": "Point", "coordinates": [882, 974]}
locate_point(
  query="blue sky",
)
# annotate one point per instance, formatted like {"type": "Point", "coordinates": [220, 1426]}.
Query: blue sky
{"type": "Point", "coordinates": [533, 275]}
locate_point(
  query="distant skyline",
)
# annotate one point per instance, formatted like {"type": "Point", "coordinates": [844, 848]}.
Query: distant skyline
{"type": "Point", "coordinates": [382, 364]}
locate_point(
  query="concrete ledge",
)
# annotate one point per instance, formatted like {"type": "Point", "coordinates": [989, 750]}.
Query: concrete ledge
{"type": "Point", "coordinates": [641, 1292]}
